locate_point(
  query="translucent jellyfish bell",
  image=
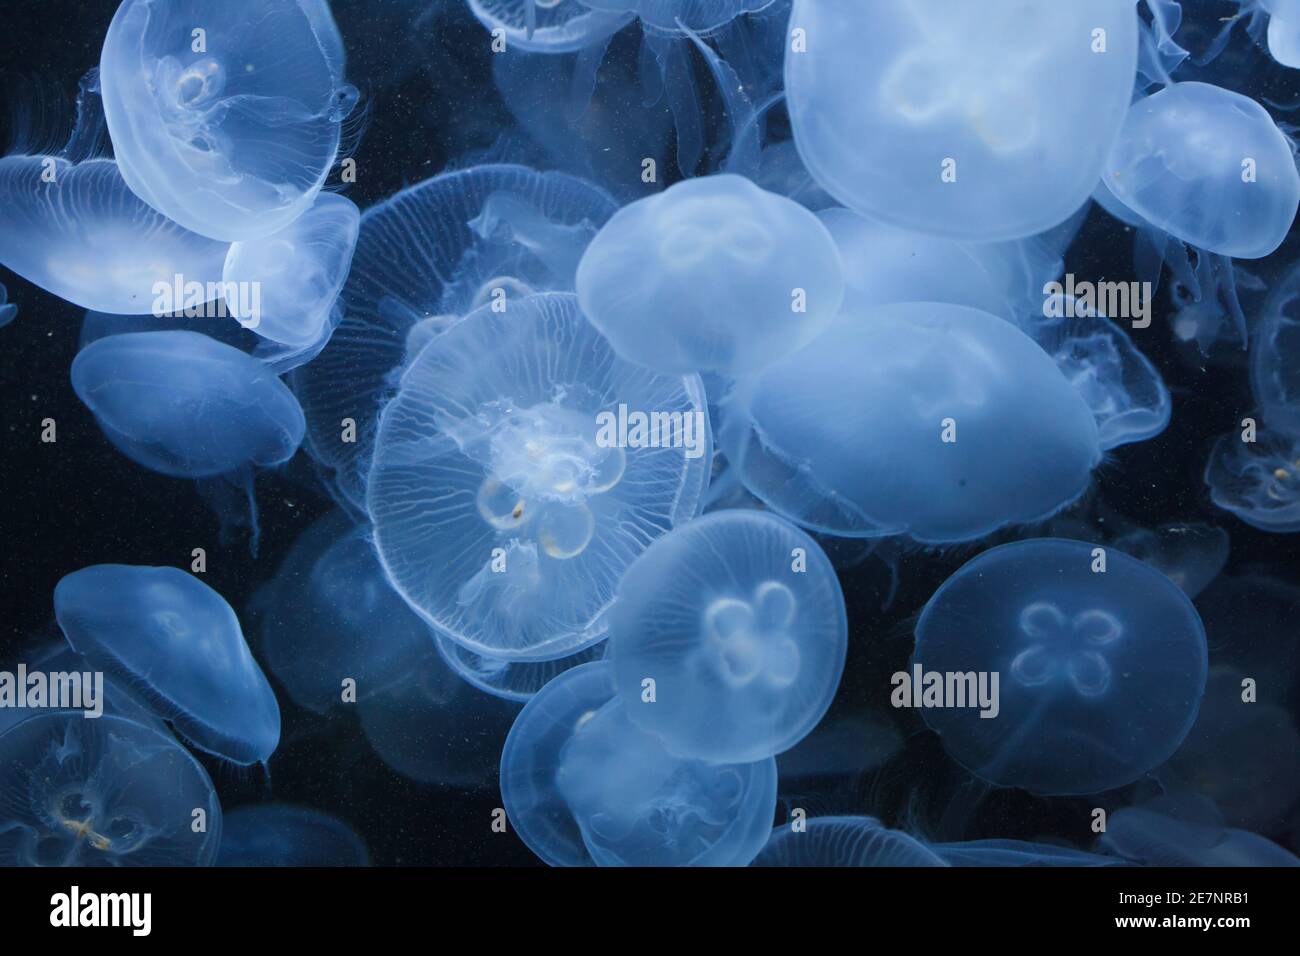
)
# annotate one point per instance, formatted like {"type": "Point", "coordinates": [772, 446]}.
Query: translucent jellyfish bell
{"type": "Point", "coordinates": [224, 410]}
{"type": "Point", "coordinates": [276, 834]}
{"type": "Point", "coordinates": [287, 282]}
{"type": "Point", "coordinates": [225, 114]}
{"type": "Point", "coordinates": [926, 395]}
{"type": "Point", "coordinates": [102, 792]}
{"type": "Point", "coordinates": [1275, 355]}
{"type": "Point", "coordinates": [1209, 167]}
{"type": "Point", "coordinates": [549, 26]}
{"type": "Point", "coordinates": [713, 273]}
{"type": "Point", "coordinates": [983, 122]}
{"type": "Point", "coordinates": [1190, 555]}
{"type": "Point", "coordinates": [78, 232]}
{"type": "Point", "coordinates": [175, 640]}
{"type": "Point", "coordinates": [1152, 838]}
{"type": "Point", "coordinates": [8, 311]}
{"type": "Point", "coordinates": [511, 680]}
{"type": "Point", "coordinates": [736, 622]}
{"type": "Point", "coordinates": [677, 16]}
{"type": "Point", "coordinates": [844, 841]}
{"type": "Point", "coordinates": [1100, 672]}
{"type": "Point", "coordinates": [1258, 481]}
{"type": "Point", "coordinates": [1018, 853]}
{"type": "Point", "coordinates": [542, 501]}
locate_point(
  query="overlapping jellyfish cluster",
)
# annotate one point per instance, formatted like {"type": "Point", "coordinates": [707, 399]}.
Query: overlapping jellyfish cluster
{"type": "Point", "coordinates": [748, 452]}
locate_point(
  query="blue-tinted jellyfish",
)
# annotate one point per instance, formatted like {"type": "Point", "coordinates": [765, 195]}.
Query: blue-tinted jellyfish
{"type": "Point", "coordinates": [225, 116]}
{"type": "Point", "coordinates": [1258, 481]}
{"type": "Point", "coordinates": [927, 399]}
{"type": "Point", "coordinates": [8, 311]}
{"type": "Point", "coordinates": [102, 792]}
{"type": "Point", "coordinates": [713, 273]}
{"type": "Point", "coordinates": [425, 258]}
{"type": "Point", "coordinates": [430, 725]}
{"type": "Point", "coordinates": [1152, 838]}
{"type": "Point", "coordinates": [530, 761]}
{"type": "Point", "coordinates": [1127, 395]}
{"type": "Point", "coordinates": [512, 680]}
{"type": "Point", "coordinates": [1190, 555]}
{"type": "Point", "coordinates": [638, 805]}
{"type": "Point", "coordinates": [550, 26]}
{"type": "Point", "coordinates": [844, 841]}
{"type": "Point", "coordinates": [224, 411]}
{"type": "Point", "coordinates": [546, 489]}
{"type": "Point", "coordinates": [1275, 355]}
{"type": "Point", "coordinates": [77, 231]}
{"type": "Point", "coordinates": [329, 615]}
{"type": "Point", "coordinates": [728, 637]}
{"type": "Point", "coordinates": [174, 641]}
{"type": "Point", "coordinates": [1018, 853]}
{"type": "Point", "coordinates": [285, 284]}
{"type": "Point", "coordinates": [276, 834]}
{"type": "Point", "coordinates": [1100, 672]}
{"type": "Point", "coordinates": [1284, 41]}
{"type": "Point", "coordinates": [979, 122]}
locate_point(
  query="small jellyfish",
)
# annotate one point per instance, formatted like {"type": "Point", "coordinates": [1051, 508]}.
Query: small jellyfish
{"type": "Point", "coordinates": [287, 282]}
{"type": "Point", "coordinates": [174, 641]}
{"type": "Point", "coordinates": [103, 792]}
{"type": "Point", "coordinates": [844, 841]}
{"type": "Point", "coordinates": [679, 16]}
{"type": "Point", "coordinates": [424, 258]}
{"type": "Point", "coordinates": [1018, 853]}
{"type": "Point", "coordinates": [276, 834]}
{"type": "Point", "coordinates": [549, 26]}
{"type": "Point", "coordinates": [1152, 838]}
{"type": "Point", "coordinates": [711, 274]}
{"type": "Point", "coordinates": [545, 488]}
{"type": "Point", "coordinates": [982, 121]}
{"type": "Point", "coordinates": [1275, 355]}
{"type": "Point", "coordinates": [638, 805]}
{"type": "Point", "coordinates": [1258, 481]}
{"type": "Point", "coordinates": [225, 116]}
{"type": "Point", "coordinates": [223, 411]}
{"type": "Point", "coordinates": [1190, 555]}
{"type": "Point", "coordinates": [728, 637]}
{"type": "Point", "coordinates": [1127, 395]}
{"type": "Point", "coordinates": [78, 232]}
{"type": "Point", "coordinates": [1099, 663]}
{"type": "Point", "coordinates": [511, 680]}
{"type": "Point", "coordinates": [8, 311]}
{"type": "Point", "coordinates": [924, 398]}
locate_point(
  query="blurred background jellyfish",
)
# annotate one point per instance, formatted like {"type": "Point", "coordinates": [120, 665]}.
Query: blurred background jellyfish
{"type": "Point", "coordinates": [102, 792]}
{"type": "Point", "coordinates": [540, 502]}
{"type": "Point", "coordinates": [926, 396]}
{"type": "Point", "coordinates": [511, 680]}
{"type": "Point", "coordinates": [424, 258]}
{"type": "Point", "coordinates": [638, 805]}
{"type": "Point", "coordinates": [678, 16]}
{"type": "Point", "coordinates": [1207, 168]}
{"type": "Point", "coordinates": [8, 311]}
{"type": "Point", "coordinates": [981, 123]}
{"type": "Point", "coordinates": [1152, 838]}
{"type": "Point", "coordinates": [329, 615]}
{"type": "Point", "coordinates": [1191, 555]}
{"type": "Point", "coordinates": [844, 841]}
{"type": "Point", "coordinates": [225, 114]}
{"type": "Point", "coordinates": [176, 642]}
{"type": "Point", "coordinates": [293, 276]}
{"type": "Point", "coordinates": [728, 637]}
{"type": "Point", "coordinates": [1258, 481]}
{"type": "Point", "coordinates": [1018, 853]}
{"type": "Point", "coordinates": [276, 834]}
{"type": "Point", "coordinates": [1246, 616]}
{"type": "Point", "coordinates": [78, 232]}
{"type": "Point", "coordinates": [1101, 671]}
{"type": "Point", "coordinates": [1275, 355]}
{"type": "Point", "coordinates": [1127, 395]}
{"type": "Point", "coordinates": [550, 26]}
{"type": "Point", "coordinates": [711, 274]}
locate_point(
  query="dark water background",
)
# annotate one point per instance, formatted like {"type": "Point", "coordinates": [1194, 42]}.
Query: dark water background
{"type": "Point", "coordinates": [426, 70]}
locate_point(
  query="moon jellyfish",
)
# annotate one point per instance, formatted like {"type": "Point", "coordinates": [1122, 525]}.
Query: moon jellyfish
{"type": "Point", "coordinates": [275, 834]}
{"type": "Point", "coordinates": [844, 841]}
{"type": "Point", "coordinates": [541, 499]}
{"type": "Point", "coordinates": [713, 273]}
{"type": "Point", "coordinates": [1189, 555]}
{"type": "Point", "coordinates": [78, 232]}
{"type": "Point", "coordinates": [294, 275]}
{"type": "Point", "coordinates": [1100, 659]}
{"type": "Point", "coordinates": [8, 311]}
{"type": "Point", "coordinates": [225, 116]}
{"type": "Point", "coordinates": [549, 26]}
{"type": "Point", "coordinates": [511, 680]}
{"type": "Point", "coordinates": [949, 424]}
{"type": "Point", "coordinates": [980, 122]}
{"type": "Point", "coordinates": [1018, 853]}
{"type": "Point", "coordinates": [185, 405]}
{"type": "Point", "coordinates": [424, 258]}
{"type": "Point", "coordinates": [728, 637]}
{"type": "Point", "coordinates": [1275, 356]}
{"type": "Point", "coordinates": [329, 616]}
{"type": "Point", "coordinates": [1127, 395]}
{"type": "Point", "coordinates": [176, 642]}
{"type": "Point", "coordinates": [104, 792]}
{"type": "Point", "coordinates": [1284, 41]}
{"type": "Point", "coordinates": [1258, 481]}
{"type": "Point", "coordinates": [678, 16]}
{"type": "Point", "coordinates": [1155, 839]}
{"type": "Point", "coordinates": [638, 805]}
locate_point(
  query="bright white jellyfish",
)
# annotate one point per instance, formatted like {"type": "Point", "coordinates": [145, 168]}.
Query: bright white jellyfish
{"type": "Point", "coordinates": [505, 510]}
{"type": "Point", "coordinates": [225, 115]}
{"type": "Point", "coordinates": [983, 121]}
